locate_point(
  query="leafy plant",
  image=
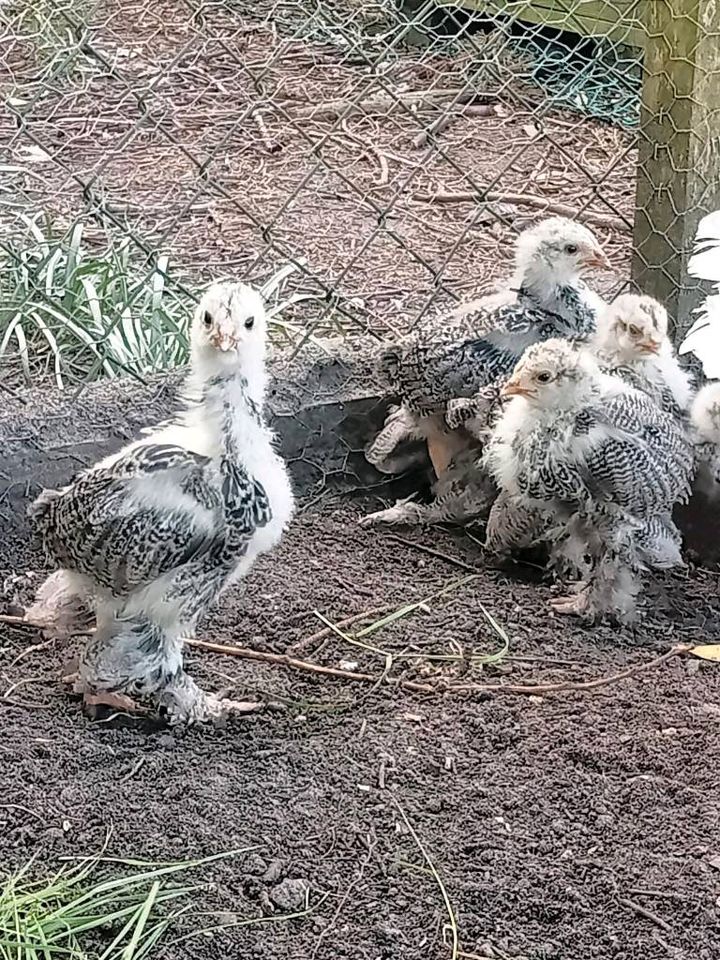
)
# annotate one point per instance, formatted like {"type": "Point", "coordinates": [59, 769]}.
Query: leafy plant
{"type": "Point", "coordinates": [75, 310]}
{"type": "Point", "coordinates": [80, 311]}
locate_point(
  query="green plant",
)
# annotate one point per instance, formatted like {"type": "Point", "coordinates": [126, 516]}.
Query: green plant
{"type": "Point", "coordinates": [75, 310]}
{"type": "Point", "coordinates": [79, 310]}
{"type": "Point", "coordinates": [123, 917]}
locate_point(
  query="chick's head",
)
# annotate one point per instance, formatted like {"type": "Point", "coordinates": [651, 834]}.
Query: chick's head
{"type": "Point", "coordinates": [633, 328]}
{"type": "Point", "coordinates": [559, 250]}
{"type": "Point", "coordinates": [554, 375]}
{"type": "Point", "coordinates": [229, 327]}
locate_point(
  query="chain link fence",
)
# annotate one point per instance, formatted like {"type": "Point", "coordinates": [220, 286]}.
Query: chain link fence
{"type": "Point", "coordinates": [366, 161]}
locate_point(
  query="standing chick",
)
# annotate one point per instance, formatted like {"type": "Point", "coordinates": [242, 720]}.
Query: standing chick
{"type": "Point", "coordinates": [451, 376]}
{"type": "Point", "coordinates": [632, 343]}
{"type": "Point", "coordinates": [155, 532]}
{"type": "Point", "coordinates": [600, 456]}
{"type": "Point", "coordinates": [550, 259]}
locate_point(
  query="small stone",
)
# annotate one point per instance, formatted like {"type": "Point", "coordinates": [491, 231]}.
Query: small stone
{"type": "Point", "coordinates": [167, 741]}
{"type": "Point", "coordinates": [254, 865]}
{"type": "Point", "coordinates": [273, 872]}
{"type": "Point", "coordinates": [434, 805]}
{"type": "Point", "coordinates": [290, 894]}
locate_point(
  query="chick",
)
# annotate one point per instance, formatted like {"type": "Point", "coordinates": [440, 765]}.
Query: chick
{"type": "Point", "coordinates": [550, 259]}
{"type": "Point", "coordinates": [449, 376]}
{"type": "Point", "coordinates": [597, 454]}
{"type": "Point", "coordinates": [632, 343]}
{"type": "Point", "coordinates": [157, 531]}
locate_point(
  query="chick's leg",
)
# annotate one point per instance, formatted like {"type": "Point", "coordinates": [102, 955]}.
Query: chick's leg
{"type": "Point", "coordinates": [62, 607]}
{"type": "Point", "coordinates": [513, 525]}
{"type": "Point", "coordinates": [612, 583]}
{"type": "Point", "coordinates": [400, 424]}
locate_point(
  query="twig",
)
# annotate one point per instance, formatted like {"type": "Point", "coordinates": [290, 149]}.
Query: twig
{"type": "Point", "coordinates": [331, 109]}
{"type": "Point", "coordinates": [432, 552]}
{"type": "Point", "coordinates": [528, 200]}
{"type": "Point", "coordinates": [568, 686]}
{"type": "Point", "coordinates": [301, 645]}
{"type": "Point", "coordinates": [642, 892]}
{"type": "Point", "coordinates": [272, 146]}
{"type": "Point", "coordinates": [282, 659]}
{"type": "Point", "coordinates": [17, 806]}
{"type": "Point", "coordinates": [384, 169]}
{"type": "Point", "coordinates": [33, 648]}
{"type": "Point", "coordinates": [648, 914]}
{"type": "Point", "coordinates": [455, 942]}
{"type": "Point", "coordinates": [513, 689]}
{"type": "Point", "coordinates": [131, 773]}
{"type": "Point", "coordinates": [445, 119]}
{"type": "Point", "coordinates": [16, 621]}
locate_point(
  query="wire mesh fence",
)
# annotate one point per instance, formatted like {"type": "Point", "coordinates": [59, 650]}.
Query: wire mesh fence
{"type": "Point", "coordinates": [367, 161]}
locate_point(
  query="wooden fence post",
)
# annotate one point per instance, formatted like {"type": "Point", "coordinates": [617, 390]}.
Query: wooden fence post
{"type": "Point", "coordinates": [679, 150]}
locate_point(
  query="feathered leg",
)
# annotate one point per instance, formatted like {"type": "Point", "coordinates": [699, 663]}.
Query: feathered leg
{"type": "Point", "coordinates": [400, 424]}
{"type": "Point", "coordinates": [62, 607]}
{"type": "Point", "coordinates": [463, 494]}
{"type": "Point", "coordinates": [131, 659]}
{"type": "Point", "coordinates": [612, 586]}
{"type": "Point", "coordinates": [513, 525]}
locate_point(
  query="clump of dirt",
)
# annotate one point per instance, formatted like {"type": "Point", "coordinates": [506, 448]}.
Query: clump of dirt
{"type": "Point", "coordinates": [563, 827]}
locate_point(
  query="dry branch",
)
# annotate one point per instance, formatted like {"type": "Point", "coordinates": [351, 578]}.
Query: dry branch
{"type": "Point", "coordinates": [537, 689]}
{"type": "Point", "coordinates": [648, 914]}
{"type": "Point", "coordinates": [528, 200]}
{"type": "Point", "coordinates": [445, 119]}
{"type": "Point", "coordinates": [332, 109]}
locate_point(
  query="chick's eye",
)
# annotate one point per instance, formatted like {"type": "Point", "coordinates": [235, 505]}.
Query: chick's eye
{"type": "Point", "coordinates": [543, 377]}
{"type": "Point", "coordinates": [207, 319]}
{"type": "Point", "coordinates": [249, 323]}
{"type": "Point", "coordinates": [634, 331]}
{"type": "Point", "coordinates": [571, 248]}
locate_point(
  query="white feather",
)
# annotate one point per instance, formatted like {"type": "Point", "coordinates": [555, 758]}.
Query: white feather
{"type": "Point", "coordinates": [703, 338]}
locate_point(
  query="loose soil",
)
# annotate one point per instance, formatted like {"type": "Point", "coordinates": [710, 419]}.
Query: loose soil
{"type": "Point", "coordinates": [564, 827]}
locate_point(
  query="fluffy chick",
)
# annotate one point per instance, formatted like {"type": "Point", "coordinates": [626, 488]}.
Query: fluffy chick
{"type": "Point", "coordinates": [448, 374]}
{"type": "Point", "coordinates": [632, 343]}
{"type": "Point", "coordinates": [600, 456]}
{"type": "Point", "coordinates": [550, 259]}
{"type": "Point", "coordinates": [155, 532]}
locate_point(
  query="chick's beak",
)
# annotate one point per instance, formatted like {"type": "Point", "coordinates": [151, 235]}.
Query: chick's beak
{"type": "Point", "coordinates": [224, 343]}
{"type": "Point", "coordinates": [596, 259]}
{"type": "Point", "coordinates": [650, 346]}
{"type": "Point", "coordinates": [514, 388]}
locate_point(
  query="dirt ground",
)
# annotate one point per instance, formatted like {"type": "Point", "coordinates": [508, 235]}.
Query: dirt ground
{"type": "Point", "coordinates": [563, 827]}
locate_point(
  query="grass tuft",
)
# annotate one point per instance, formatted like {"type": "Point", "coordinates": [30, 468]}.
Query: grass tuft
{"type": "Point", "coordinates": [77, 915]}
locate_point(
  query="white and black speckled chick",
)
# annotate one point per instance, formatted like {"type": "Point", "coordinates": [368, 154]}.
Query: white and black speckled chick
{"type": "Point", "coordinates": [448, 373]}
{"type": "Point", "coordinates": [705, 433]}
{"type": "Point", "coordinates": [632, 343]}
{"type": "Point", "coordinates": [600, 456]}
{"type": "Point", "coordinates": [155, 532]}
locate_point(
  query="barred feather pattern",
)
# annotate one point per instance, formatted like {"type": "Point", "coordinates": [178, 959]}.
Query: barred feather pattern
{"type": "Point", "coordinates": [622, 451]}
{"type": "Point", "coordinates": [481, 348]}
